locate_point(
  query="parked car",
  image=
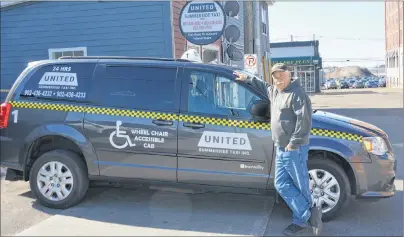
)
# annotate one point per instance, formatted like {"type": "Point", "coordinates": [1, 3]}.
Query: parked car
{"type": "Point", "coordinates": [351, 82]}
{"type": "Point", "coordinates": [358, 84]}
{"type": "Point", "coordinates": [331, 85]}
{"type": "Point", "coordinates": [70, 121]}
{"type": "Point", "coordinates": [343, 85]}
{"type": "Point", "coordinates": [381, 83]}
{"type": "Point", "coordinates": [371, 84]}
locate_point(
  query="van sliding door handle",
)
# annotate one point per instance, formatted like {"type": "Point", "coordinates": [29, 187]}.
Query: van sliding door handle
{"type": "Point", "coordinates": [163, 122]}
{"type": "Point", "coordinates": [194, 125]}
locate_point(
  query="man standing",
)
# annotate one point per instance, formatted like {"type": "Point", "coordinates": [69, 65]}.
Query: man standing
{"type": "Point", "coordinates": [291, 113]}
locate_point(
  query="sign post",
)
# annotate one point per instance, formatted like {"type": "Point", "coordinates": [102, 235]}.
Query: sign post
{"type": "Point", "coordinates": [202, 23]}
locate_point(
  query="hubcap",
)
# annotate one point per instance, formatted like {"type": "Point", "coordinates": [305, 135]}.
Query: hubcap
{"type": "Point", "coordinates": [55, 181]}
{"type": "Point", "coordinates": [324, 188]}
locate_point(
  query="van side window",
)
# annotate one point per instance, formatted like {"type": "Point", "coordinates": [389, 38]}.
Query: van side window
{"type": "Point", "coordinates": [60, 82]}
{"type": "Point", "coordinates": [135, 87]}
{"type": "Point", "coordinates": [217, 95]}
{"type": "Point", "coordinates": [201, 98]}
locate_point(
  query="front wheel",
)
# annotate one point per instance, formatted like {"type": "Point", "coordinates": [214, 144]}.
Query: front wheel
{"type": "Point", "coordinates": [329, 186]}
{"type": "Point", "coordinates": [58, 179]}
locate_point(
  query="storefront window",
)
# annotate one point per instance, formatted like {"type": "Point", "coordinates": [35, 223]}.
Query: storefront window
{"type": "Point", "coordinates": [209, 53]}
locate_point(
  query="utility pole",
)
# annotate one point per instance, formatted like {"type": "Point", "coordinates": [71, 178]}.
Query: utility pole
{"type": "Point", "coordinates": [400, 65]}
{"type": "Point", "coordinates": [398, 45]}
{"type": "Point", "coordinates": [257, 43]}
{"type": "Point", "coordinates": [248, 31]}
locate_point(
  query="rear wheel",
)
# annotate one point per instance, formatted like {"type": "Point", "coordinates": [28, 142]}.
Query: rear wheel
{"type": "Point", "coordinates": [59, 179]}
{"type": "Point", "coordinates": [329, 186]}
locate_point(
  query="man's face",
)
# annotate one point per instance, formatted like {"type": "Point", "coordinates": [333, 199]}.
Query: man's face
{"type": "Point", "coordinates": [281, 79]}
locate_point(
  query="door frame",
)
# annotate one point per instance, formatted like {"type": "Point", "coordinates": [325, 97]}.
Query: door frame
{"type": "Point", "coordinates": [185, 97]}
{"type": "Point", "coordinates": [184, 111]}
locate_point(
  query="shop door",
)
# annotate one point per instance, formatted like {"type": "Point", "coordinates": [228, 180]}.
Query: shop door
{"type": "Point", "coordinates": [307, 80]}
{"type": "Point", "coordinates": [310, 81]}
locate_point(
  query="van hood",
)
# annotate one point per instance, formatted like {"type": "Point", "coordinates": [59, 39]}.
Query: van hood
{"type": "Point", "coordinates": [327, 120]}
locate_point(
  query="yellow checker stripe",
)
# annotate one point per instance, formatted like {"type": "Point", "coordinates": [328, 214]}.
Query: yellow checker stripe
{"type": "Point", "coordinates": [131, 113]}
{"type": "Point", "coordinates": [336, 134]}
{"type": "Point", "coordinates": [225, 122]}
{"type": "Point", "coordinates": [94, 110]}
{"type": "Point", "coordinates": [182, 118]}
{"type": "Point", "coordinates": [47, 106]}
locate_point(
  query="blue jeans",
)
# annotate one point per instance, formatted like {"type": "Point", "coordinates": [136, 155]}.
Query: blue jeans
{"type": "Point", "coordinates": [292, 182]}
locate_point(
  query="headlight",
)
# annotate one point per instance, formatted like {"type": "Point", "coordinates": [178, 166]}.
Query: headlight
{"type": "Point", "coordinates": [375, 145]}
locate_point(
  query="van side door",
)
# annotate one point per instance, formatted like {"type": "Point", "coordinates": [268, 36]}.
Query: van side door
{"type": "Point", "coordinates": [133, 122]}
{"type": "Point", "coordinates": [219, 143]}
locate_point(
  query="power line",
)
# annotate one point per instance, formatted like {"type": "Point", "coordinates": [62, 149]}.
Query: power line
{"type": "Point", "coordinates": [354, 60]}
{"type": "Point", "coordinates": [353, 38]}
{"type": "Point", "coordinates": [328, 37]}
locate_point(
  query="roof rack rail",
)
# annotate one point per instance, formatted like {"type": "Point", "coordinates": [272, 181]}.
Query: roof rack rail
{"type": "Point", "coordinates": [125, 57]}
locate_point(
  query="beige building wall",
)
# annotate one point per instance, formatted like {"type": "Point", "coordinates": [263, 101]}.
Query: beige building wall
{"type": "Point", "coordinates": [394, 13]}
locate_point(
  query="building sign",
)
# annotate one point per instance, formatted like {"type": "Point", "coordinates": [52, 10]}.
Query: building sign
{"type": "Point", "coordinates": [298, 60]}
{"type": "Point", "coordinates": [250, 63]}
{"type": "Point", "coordinates": [294, 62]}
{"type": "Point", "coordinates": [202, 23]}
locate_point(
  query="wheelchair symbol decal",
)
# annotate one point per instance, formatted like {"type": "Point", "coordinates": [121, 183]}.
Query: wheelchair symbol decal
{"type": "Point", "coordinates": [122, 134]}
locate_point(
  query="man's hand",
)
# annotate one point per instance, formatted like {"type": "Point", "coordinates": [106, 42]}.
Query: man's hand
{"type": "Point", "coordinates": [240, 76]}
{"type": "Point", "coordinates": [289, 148]}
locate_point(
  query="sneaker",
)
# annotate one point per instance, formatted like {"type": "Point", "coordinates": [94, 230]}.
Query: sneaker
{"type": "Point", "coordinates": [315, 220]}
{"type": "Point", "coordinates": [294, 229]}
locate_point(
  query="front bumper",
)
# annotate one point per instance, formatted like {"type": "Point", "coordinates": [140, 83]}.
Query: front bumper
{"type": "Point", "coordinates": [376, 179]}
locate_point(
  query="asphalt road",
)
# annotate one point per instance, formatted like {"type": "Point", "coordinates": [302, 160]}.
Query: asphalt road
{"type": "Point", "coordinates": [107, 211]}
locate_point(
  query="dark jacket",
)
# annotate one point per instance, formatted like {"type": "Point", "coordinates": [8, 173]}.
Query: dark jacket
{"type": "Point", "coordinates": [291, 113]}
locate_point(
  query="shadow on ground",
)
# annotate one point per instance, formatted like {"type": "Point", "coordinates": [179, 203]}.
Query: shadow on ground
{"type": "Point", "coordinates": [92, 192]}
{"type": "Point", "coordinates": [238, 214]}
{"type": "Point", "coordinates": [357, 219]}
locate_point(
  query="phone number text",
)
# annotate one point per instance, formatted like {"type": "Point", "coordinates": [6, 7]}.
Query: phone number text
{"type": "Point", "coordinates": [60, 94]}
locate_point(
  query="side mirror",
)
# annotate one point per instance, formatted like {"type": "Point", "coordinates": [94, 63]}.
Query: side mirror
{"type": "Point", "coordinates": [260, 110]}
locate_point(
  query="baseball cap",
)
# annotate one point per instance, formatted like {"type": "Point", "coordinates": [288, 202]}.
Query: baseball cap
{"type": "Point", "coordinates": [279, 67]}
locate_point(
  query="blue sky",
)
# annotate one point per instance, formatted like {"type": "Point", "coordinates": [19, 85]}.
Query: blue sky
{"type": "Point", "coordinates": [336, 25]}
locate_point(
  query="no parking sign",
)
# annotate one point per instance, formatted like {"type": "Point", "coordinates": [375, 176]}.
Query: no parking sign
{"type": "Point", "coordinates": [250, 63]}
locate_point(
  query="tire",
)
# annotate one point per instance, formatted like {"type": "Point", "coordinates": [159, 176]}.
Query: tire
{"type": "Point", "coordinates": [320, 163]}
{"type": "Point", "coordinates": [78, 171]}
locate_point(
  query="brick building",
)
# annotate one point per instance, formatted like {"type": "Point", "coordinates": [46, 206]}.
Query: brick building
{"type": "Point", "coordinates": [394, 13]}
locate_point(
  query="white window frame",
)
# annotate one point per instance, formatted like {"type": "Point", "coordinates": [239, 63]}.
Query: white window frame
{"type": "Point", "coordinates": [194, 46]}
{"type": "Point", "coordinates": [264, 19]}
{"type": "Point", "coordinates": [58, 50]}
{"type": "Point", "coordinates": [201, 48]}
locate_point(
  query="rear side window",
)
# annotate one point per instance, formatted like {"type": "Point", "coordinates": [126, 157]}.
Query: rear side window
{"type": "Point", "coordinates": [136, 87]}
{"type": "Point", "coordinates": [60, 82]}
